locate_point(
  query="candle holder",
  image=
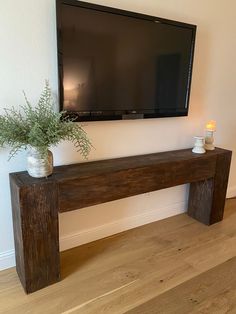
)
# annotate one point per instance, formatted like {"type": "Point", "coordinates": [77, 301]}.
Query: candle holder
{"type": "Point", "coordinates": [199, 145]}
{"type": "Point", "coordinates": [209, 140]}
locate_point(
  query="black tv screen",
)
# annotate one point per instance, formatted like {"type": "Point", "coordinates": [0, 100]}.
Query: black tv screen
{"type": "Point", "coordinates": [115, 64]}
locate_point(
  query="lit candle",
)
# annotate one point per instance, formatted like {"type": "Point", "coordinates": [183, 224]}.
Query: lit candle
{"type": "Point", "coordinates": [211, 125]}
{"type": "Point", "coordinates": [209, 138]}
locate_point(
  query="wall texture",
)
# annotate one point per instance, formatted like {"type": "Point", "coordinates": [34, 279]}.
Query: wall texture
{"type": "Point", "coordinates": [28, 56]}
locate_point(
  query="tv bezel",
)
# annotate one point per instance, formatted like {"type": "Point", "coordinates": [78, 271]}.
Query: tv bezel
{"type": "Point", "coordinates": [118, 114]}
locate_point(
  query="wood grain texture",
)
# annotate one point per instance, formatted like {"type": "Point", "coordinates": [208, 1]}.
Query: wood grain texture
{"type": "Point", "coordinates": [117, 274]}
{"type": "Point", "coordinates": [17, 225]}
{"type": "Point", "coordinates": [220, 186]}
{"type": "Point", "coordinates": [207, 197]}
{"type": "Point", "coordinates": [96, 189]}
{"type": "Point", "coordinates": [35, 219]}
{"type": "Point", "coordinates": [200, 200]}
{"type": "Point", "coordinates": [97, 182]}
{"type": "Point", "coordinates": [102, 181]}
{"type": "Point", "coordinates": [36, 202]}
{"type": "Point", "coordinates": [213, 291]}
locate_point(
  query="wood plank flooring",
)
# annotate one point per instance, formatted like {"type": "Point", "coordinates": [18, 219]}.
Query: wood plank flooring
{"type": "Point", "coordinates": [213, 291]}
{"type": "Point", "coordinates": [176, 265]}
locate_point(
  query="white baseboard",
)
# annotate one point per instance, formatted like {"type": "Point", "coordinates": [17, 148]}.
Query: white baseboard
{"type": "Point", "coordinates": [231, 192]}
{"type": "Point", "coordinates": [7, 259]}
{"type": "Point", "coordinates": [86, 236]}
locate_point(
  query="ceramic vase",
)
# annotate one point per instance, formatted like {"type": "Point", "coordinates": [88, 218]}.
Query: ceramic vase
{"type": "Point", "coordinates": [199, 145]}
{"type": "Point", "coordinates": [37, 166]}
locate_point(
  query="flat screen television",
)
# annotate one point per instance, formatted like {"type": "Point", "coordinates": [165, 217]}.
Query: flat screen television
{"type": "Point", "coordinates": [114, 64]}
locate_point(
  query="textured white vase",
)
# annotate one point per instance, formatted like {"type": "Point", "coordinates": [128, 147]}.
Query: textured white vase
{"type": "Point", "coordinates": [38, 167]}
{"type": "Point", "coordinates": [199, 145]}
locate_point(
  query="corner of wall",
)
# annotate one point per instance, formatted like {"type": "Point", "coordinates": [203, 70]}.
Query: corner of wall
{"type": "Point", "coordinates": [7, 259]}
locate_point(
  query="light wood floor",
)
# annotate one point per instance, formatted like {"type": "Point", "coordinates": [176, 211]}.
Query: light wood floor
{"type": "Point", "coordinates": [176, 265]}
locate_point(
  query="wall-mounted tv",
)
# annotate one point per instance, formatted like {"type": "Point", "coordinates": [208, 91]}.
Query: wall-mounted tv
{"type": "Point", "coordinates": [114, 64]}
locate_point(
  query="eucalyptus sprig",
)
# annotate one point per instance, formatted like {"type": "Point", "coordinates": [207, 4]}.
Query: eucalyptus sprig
{"type": "Point", "coordinates": [40, 127]}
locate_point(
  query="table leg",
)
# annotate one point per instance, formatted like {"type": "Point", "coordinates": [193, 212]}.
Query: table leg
{"type": "Point", "coordinates": [35, 221]}
{"type": "Point", "coordinates": [207, 197]}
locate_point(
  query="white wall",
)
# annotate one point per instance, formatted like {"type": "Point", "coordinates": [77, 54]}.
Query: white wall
{"type": "Point", "coordinates": [28, 56]}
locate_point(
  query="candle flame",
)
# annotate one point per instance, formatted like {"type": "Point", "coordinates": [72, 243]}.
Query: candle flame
{"type": "Point", "coordinates": [211, 125]}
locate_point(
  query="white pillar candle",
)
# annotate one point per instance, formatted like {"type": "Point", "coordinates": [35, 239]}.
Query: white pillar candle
{"type": "Point", "coordinates": [209, 138]}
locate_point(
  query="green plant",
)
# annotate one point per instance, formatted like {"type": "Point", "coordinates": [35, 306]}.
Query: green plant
{"type": "Point", "coordinates": [40, 127]}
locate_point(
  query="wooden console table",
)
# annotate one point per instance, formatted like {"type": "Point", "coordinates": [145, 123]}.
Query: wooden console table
{"type": "Point", "coordinates": [37, 202]}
